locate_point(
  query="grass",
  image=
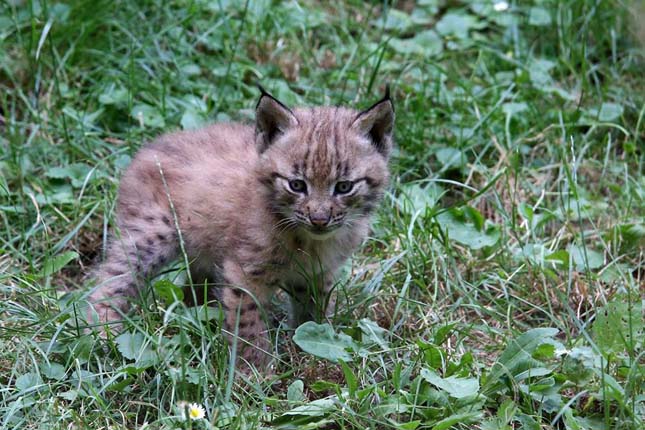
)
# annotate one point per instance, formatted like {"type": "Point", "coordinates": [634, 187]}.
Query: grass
{"type": "Point", "coordinates": [503, 283]}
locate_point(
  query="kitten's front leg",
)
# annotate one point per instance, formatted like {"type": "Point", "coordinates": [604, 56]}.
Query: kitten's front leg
{"type": "Point", "coordinates": [303, 307]}
{"type": "Point", "coordinates": [312, 301]}
{"type": "Point", "coordinates": [331, 296]}
{"type": "Point", "coordinates": [243, 300]}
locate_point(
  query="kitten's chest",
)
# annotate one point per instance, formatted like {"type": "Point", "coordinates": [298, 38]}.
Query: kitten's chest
{"type": "Point", "coordinates": [311, 261]}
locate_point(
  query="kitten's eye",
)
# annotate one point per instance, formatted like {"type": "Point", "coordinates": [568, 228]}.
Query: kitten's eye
{"type": "Point", "coordinates": [343, 187]}
{"type": "Point", "coordinates": [298, 186]}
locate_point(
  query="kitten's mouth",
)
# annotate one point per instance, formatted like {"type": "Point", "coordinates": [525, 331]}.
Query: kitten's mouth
{"type": "Point", "coordinates": [321, 233]}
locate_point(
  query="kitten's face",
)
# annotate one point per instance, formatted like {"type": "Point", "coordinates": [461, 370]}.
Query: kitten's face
{"type": "Point", "coordinates": [324, 168]}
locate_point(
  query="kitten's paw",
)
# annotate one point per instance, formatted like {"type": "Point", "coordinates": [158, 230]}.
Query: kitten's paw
{"type": "Point", "coordinates": [255, 357]}
{"type": "Point", "coordinates": [103, 318]}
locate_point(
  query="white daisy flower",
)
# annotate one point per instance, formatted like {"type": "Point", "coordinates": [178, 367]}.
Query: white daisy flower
{"type": "Point", "coordinates": [196, 412]}
{"type": "Point", "coordinates": [500, 6]}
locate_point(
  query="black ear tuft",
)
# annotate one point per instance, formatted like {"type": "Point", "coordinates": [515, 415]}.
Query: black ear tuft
{"type": "Point", "coordinates": [263, 93]}
{"type": "Point", "coordinates": [377, 123]}
{"type": "Point", "coordinates": [387, 94]}
{"type": "Point", "coordinates": [272, 118]}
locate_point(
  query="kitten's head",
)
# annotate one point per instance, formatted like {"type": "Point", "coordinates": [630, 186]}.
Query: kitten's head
{"type": "Point", "coordinates": [324, 168]}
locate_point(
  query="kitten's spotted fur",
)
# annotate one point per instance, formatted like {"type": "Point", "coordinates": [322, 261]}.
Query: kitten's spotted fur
{"type": "Point", "coordinates": [284, 203]}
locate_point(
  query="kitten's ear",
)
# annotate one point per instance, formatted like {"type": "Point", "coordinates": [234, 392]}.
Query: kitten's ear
{"type": "Point", "coordinates": [272, 118]}
{"type": "Point", "coordinates": [377, 123]}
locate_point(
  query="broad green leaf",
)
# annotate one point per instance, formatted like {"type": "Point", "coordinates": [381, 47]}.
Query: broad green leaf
{"type": "Point", "coordinates": [483, 9]}
{"type": "Point", "coordinates": [53, 370]}
{"type": "Point", "coordinates": [28, 381]}
{"type": "Point", "coordinates": [431, 5]}
{"type": "Point", "coordinates": [474, 216]}
{"type": "Point", "coordinates": [528, 422]}
{"type": "Point", "coordinates": [204, 313]}
{"type": "Point", "coordinates": [192, 119]}
{"type": "Point", "coordinates": [426, 43]}
{"type": "Point", "coordinates": [463, 418]}
{"type": "Point", "coordinates": [392, 404]}
{"type": "Point", "coordinates": [582, 208]}
{"type": "Point", "coordinates": [321, 341]}
{"type": "Point", "coordinates": [191, 69]}
{"type": "Point", "coordinates": [443, 333]}
{"type": "Point", "coordinates": [517, 357]}
{"type": "Point", "coordinates": [434, 356]}
{"type": "Point", "coordinates": [607, 112]}
{"type": "Point", "coordinates": [69, 395]}
{"type": "Point", "coordinates": [59, 194]}
{"type": "Point", "coordinates": [122, 161]}
{"type": "Point", "coordinates": [77, 173]}
{"type": "Point", "coordinates": [539, 16]}
{"type": "Point", "coordinates": [535, 253]}
{"type": "Point", "coordinates": [628, 236]}
{"type": "Point", "coordinates": [578, 364]}
{"type": "Point", "coordinates": [168, 292]}
{"type": "Point", "coordinates": [352, 382]}
{"type": "Point", "coordinates": [114, 95]}
{"type": "Point", "coordinates": [545, 392]}
{"type": "Point", "coordinates": [544, 352]}
{"type": "Point", "coordinates": [281, 90]}
{"type": "Point", "coordinates": [177, 374]}
{"type": "Point", "coordinates": [299, 17]}
{"type": "Point", "coordinates": [618, 326]}
{"type": "Point", "coordinates": [60, 11]}
{"type": "Point", "coordinates": [194, 103]}
{"type": "Point", "coordinates": [226, 413]}
{"type": "Point", "coordinates": [295, 392]}
{"type": "Point", "coordinates": [454, 386]}
{"type": "Point", "coordinates": [560, 92]}
{"type": "Point", "coordinates": [505, 18]}
{"type": "Point", "coordinates": [417, 198]}
{"type": "Point", "coordinates": [505, 414]}
{"type": "Point", "coordinates": [55, 264]}
{"type": "Point", "coordinates": [373, 333]}
{"type": "Point", "coordinates": [534, 372]}
{"type": "Point", "coordinates": [583, 423]}
{"type": "Point", "coordinates": [539, 72]}
{"type": "Point", "coordinates": [422, 16]}
{"type": "Point", "coordinates": [451, 157]}
{"type": "Point", "coordinates": [570, 421]}
{"type": "Point", "coordinates": [587, 356]}
{"type": "Point", "coordinates": [301, 415]}
{"type": "Point", "coordinates": [507, 411]}
{"type": "Point", "coordinates": [395, 20]}
{"type": "Point", "coordinates": [129, 344]}
{"type": "Point", "coordinates": [120, 385]}
{"type": "Point", "coordinates": [457, 24]}
{"type": "Point", "coordinates": [412, 425]}
{"type": "Point", "coordinates": [511, 109]}
{"type": "Point", "coordinates": [560, 258]}
{"type": "Point", "coordinates": [133, 347]}
{"type": "Point", "coordinates": [82, 349]}
{"type": "Point", "coordinates": [84, 119]}
{"type": "Point", "coordinates": [465, 232]}
{"type": "Point", "coordinates": [585, 258]}
{"type": "Point", "coordinates": [148, 116]}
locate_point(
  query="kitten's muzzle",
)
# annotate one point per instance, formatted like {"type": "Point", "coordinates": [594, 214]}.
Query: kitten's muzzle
{"type": "Point", "coordinates": [322, 231]}
{"type": "Point", "coordinates": [319, 221]}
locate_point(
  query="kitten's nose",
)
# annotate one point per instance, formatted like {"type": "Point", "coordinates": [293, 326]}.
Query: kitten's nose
{"type": "Point", "coordinates": [318, 219]}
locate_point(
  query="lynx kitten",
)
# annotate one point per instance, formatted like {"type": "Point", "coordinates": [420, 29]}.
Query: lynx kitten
{"type": "Point", "coordinates": [284, 204]}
